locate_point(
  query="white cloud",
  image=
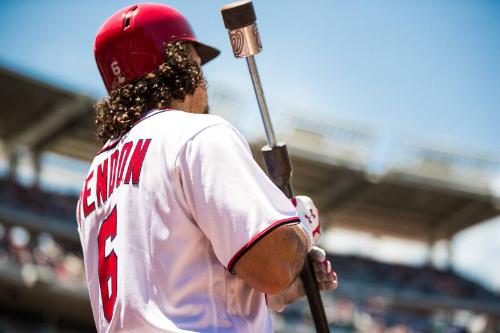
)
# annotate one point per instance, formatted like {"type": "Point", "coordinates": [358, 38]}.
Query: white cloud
{"type": "Point", "coordinates": [474, 250]}
{"type": "Point", "coordinates": [343, 241]}
{"type": "Point", "coordinates": [476, 253]}
{"type": "Point", "coordinates": [394, 250]}
{"type": "Point", "coordinates": [62, 178]}
{"type": "Point", "coordinates": [495, 186]}
{"type": "Point", "coordinates": [387, 249]}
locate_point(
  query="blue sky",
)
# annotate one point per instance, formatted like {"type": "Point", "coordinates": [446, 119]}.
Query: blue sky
{"type": "Point", "coordinates": [423, 69]}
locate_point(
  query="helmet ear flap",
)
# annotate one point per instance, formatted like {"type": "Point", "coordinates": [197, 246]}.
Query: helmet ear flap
{"type": "Point", "coordinates": [131, 42]}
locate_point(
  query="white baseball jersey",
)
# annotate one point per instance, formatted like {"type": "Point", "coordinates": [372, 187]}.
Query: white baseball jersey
{"type": "Point", "coordinates": [164, 214]}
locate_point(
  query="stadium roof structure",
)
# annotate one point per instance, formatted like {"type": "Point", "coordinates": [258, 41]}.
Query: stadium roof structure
{"type": "Point", "coordinates": [427, 192]}
{"type": "Point", "coordinates": [41, 117]}
{"type": "Point", "coordinates": [432, 194]}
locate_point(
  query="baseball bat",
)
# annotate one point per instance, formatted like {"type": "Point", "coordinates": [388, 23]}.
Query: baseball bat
{"type": "Point", "coordinates": [239, 18]}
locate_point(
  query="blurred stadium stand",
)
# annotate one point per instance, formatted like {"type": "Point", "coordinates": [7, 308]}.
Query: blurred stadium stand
{"type": "Point", "coordinates": [429, 194]}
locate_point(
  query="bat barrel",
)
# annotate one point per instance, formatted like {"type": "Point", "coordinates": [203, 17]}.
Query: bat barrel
{"type": "Point", "coordinates": [239, 18]}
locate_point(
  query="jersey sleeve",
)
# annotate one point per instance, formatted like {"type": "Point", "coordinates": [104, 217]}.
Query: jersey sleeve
{"type": "Point", "coordinates": [231, 199]}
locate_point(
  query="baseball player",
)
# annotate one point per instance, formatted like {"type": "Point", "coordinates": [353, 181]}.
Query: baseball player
{"type": "Point", "coordinates": [181, 230]}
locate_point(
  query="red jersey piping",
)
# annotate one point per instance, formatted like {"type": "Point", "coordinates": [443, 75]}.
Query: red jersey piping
{"type": "Point", "coordinates": [258, 237]}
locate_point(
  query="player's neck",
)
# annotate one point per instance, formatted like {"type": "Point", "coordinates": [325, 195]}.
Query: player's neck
{"type": "Point", "coordinates": [191, 104]}
{"type": "Point", "coordinates": [181, 105]}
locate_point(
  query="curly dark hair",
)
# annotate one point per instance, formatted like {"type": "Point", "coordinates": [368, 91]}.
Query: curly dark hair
{"type": "Point", "coordinates": [178, 76]}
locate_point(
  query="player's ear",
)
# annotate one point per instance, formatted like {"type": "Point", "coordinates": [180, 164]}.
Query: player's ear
{"type": "Point", "coordinates": [194, 53]}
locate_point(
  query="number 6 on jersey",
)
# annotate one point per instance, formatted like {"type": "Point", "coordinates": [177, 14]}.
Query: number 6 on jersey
{"type": "Point", "coordinates": [107, 265]}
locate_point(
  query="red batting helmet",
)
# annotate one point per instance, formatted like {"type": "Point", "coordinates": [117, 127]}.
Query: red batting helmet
{"type": "Point", "coordinates": [131, 42]}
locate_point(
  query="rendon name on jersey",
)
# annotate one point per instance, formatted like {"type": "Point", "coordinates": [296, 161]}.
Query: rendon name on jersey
{"type": "Point", "coordinates": [165, 212]}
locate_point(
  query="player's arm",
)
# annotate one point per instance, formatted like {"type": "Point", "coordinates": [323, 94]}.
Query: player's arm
{"type": "Point", "coordinates": [277, 274]}
{"type": "Point", "coordinates": [274, 262]}
{"type": "Point", "coordinates": [253, 228]}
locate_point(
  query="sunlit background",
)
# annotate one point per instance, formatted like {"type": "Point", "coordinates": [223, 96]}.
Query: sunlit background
{"type": "Point", "coordinates": [391, 113]}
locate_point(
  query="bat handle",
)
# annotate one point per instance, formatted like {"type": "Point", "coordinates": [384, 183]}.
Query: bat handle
{"type": "Point", "coordinates": [313, 296]}
{"type": "Point", "coordinates": [279, 169]}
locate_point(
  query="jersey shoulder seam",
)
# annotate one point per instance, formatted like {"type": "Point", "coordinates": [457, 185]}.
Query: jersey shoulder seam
{"type": "Point", "coordinates": [183, 146]}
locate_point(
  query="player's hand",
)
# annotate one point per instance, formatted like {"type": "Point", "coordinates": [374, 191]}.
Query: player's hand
{"type": "Point", "coordinates": [308, 212]}
{"type": "Point", "coordinates": [325, 276]}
